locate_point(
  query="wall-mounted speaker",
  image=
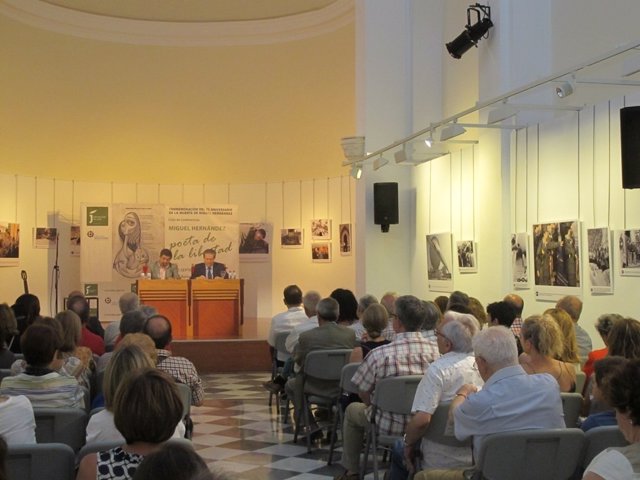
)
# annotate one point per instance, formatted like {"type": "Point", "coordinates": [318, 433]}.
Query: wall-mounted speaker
{"type": "Point", "coordinates": [385, 204]}
{"type": "Point", "coordinates": [630, 146]}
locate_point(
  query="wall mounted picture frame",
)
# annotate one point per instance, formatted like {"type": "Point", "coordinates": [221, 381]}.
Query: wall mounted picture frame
{"type": "Point", "coordinates": [321, 252]}
{"type": "Point", "coordinates": [599, 248]}
{"type": "Point", "coordinates": [345, 239]}
{"type": "Point", "coordinates": [628, 252]}
{"type": "Point", "coordinates": [9, 244]}
{"type": "Point", "coordinates": [254, 245]}
{"type": "Point", "coordinates": [74, 240]}
{"type": "Point", "coordinates": [321, 229]}
{"type": "Point", "coordinates": [520, 260]}
{"type": "Point", "coordinates": [45, 237]}
{"type": "Point", "coordinates": [439, 262]}
{"type": "Point", "coordinates": [291, 237]}
{"type": "Point", "coordinates": [467, 256]}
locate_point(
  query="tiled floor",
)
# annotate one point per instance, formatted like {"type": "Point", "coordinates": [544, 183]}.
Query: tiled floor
{"type": "Point", "coordinates": [237, 431]}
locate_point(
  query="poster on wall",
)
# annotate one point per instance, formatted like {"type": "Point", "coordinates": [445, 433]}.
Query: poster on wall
{"type": "Point", "coordinates": [321, 252]}
{"type": "Point", "coordinates": [556, 247]}
{"type": "Point", "coordinates": [629, 252]}
{"type": "Point", "coordinates": [321, 229]}
{"type": "Point", "coordinates": [291, 237]}
{"type": "Point", "coordinates": [254, 242]}
{"type": "Point", "coordinates": [345, 239]}
{"type": "Point", "coordinates": [97, 251]}
{"type": "Point", "coordinates": [467, 262]}
{"type": "Point", "coordinates": [439, 262]}
{"type": "Point", "coordinates": [9, 244]}
{"type": "Point", "coordinates": [190, 230]}
{"type": "Point", "coordinates": [599, 247]}
{"type": "Point", "coordinates": [519, 260]}
{"type": "Point", "coordinates": [45, 237]}
{"type": "Point", "coordinates": [74, 240]}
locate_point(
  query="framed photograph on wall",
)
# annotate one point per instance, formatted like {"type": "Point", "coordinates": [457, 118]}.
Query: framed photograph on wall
{"type": "Point", "coordinates": [291, 237]}
{"type": "Point", "coordinates": [9, 244]}
{"type": "Point", "coordinates": [519, 260]}
{"type": "Point", "coordinates": [321, 229]}
{"type": "Point", "coordinates": [254, 242]}
{"type": "Point", "coordinates": [439, 262]}
{"type": "Point", "coordinates": [45, 237]}
{"type": "Point", "coordinates": [321, 252]}
{"type": "Point", "coordinates": [629, 252]}
{"type": "Point", "coordinates": [74, 240]}
{"type": "Point", "coordinates": [556, 247]}
{"type": "Point", "coordinates": [599, 247]}
{"type": "Point", "coordinates": [467, 261]}
{"type": "Point", "coordinates": [345, 239]}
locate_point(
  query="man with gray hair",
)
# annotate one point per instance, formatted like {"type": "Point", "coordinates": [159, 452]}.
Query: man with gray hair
{"type": "Point", "coordinates": [573, 306]}
{"type": "Point", "coordinates": [128, 302]}
{"type": "Point", "coordinates": [363, 303]}
{"type": "Point", "coordinates": [388, 301]}
{"type": "Point", "coordinates": [510, 400]}
{"type": "Point", "coordinates": [443, 378]}
{"type": "Point", "coordinates": [309, 303]}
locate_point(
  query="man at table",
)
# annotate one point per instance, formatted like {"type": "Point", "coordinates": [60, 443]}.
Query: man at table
{"type": "Point", "coordinates": [163, 268]}
{"type": "Point", "coordinates": [209, 268]}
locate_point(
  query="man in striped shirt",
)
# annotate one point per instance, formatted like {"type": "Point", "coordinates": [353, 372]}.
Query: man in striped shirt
{"type": "Point", "coordinates": [409, 354]}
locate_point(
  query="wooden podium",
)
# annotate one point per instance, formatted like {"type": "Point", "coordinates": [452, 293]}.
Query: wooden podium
{"type": "Point", "coordinates": [198, 309]}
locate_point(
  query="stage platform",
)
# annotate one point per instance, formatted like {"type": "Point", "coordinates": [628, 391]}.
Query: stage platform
{"type": "Point", "coordinates": [249, 352]}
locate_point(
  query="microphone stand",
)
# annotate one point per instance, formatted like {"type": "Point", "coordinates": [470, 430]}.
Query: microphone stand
{"type": "Point", "coordinates": [56, 272]}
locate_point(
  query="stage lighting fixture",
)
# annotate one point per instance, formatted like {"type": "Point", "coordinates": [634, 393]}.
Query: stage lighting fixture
{"type": "Point", "coordinates": [565, 89]}
{"type": "Point", "coordinates": [379, 162]}
{"type": "Point", "coordinates": [400, 156]}
{"type": "Point", "coordinates": [451, 131]}
{"type": "Point", "coordinates": [471, 33]}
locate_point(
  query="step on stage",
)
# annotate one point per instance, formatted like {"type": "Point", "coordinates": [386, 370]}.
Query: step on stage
{"type": "Point", "coordinates": [246, 352]}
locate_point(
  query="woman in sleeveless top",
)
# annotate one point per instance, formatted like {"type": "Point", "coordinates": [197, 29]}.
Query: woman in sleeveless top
{"type": "Point", "coordinates": [623, 393]}
{"type": "Point", "coordinates": [146, 408]}
{"type": "Point", "coordinates": [374, 320]}
{"type": "Point", "coordinates": [542, 342]}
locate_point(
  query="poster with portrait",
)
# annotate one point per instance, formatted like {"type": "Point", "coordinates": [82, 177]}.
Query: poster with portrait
{"type": "Point", "coordinates": [45, 237]}
{"type": "Point", "coordinates": [467, 261]}
{"type": "Point", "coordinates": [291, 237]}
{"type": "Point", "coordinates": [321, 252]}
{"type": "Point", "coordinates": [599, 247]}
{"type": "Point", "coordinates": [519, 260]}
{"type": "Point", "coordinates": [556, 247]}
{"type": "Point", "coordinates": [440, 262]}
{"type": "Point", "coordinates": [9, 244]}
{"type": "Point", "coordinates": [628, 252]}
{"type": "Point", "coordinates": [254, 242]}
{"type": "Point", "coordinates": [345, 239]}
{"type": "Point", "coordinates": [74, 240]}
{"type": "Point", "coordinates": [321, 229]}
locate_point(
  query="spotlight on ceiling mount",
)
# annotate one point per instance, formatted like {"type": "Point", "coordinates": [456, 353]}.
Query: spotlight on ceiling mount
{"type": "Point", "coordinates": [356, 171]}
{"type": "Point", "coordinates": [450, 131]}
{"type": "Point", "coordinates": [566, 88]}
{"type": "Point", "coordinates": [429, 140]}
{"type": "Point", "coordinates": [472, 33]}
{"type": "Point", "coordinates": [379, 162]}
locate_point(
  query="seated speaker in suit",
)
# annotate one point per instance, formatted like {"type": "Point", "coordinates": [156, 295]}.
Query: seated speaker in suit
{"type": "Point", "coordinates": [163, 268]}
{"type": "Point", "coordinates": [209, 268]}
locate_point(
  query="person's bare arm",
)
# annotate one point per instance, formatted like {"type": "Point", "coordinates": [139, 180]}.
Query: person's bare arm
{"type": "Point", "coordinates": [356, 355]}
{"type": "Point", "coordinates": [88, 467]}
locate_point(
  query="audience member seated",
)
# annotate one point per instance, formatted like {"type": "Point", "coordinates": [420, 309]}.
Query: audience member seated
{"type": "Point", "coordinates": [310, 304]}
{"type": "Point", "coordinates": [573, 306]}
{"type": "Point", "coordinates": [126, 360]}
{"type": "Point", "coordinates": [8, 330]}
{"type": "Point", "coordinates": [569, 352]}
{"type": "Point", "coordinates": [458, 298]}
{"type": "Point", "coordinates": [502, 313]}
{"type": "Point", "coordinates": [517, 303]}
{"type": "Point", "coordinates": [171, 462]}
{"type": "Point", "coordinates": [128, 302]}
{"type": "Point", "coordinates": [605, 368]}
{"type": "Point", "coordinates": [93, 324]}
{"type": "Point", "coordinates": [146, 410]}
{"type": "Point", "coordinates": [26, 310]}
{"type": "Point", "coordinates": [409, 354]}
{"type": "Point", "coordinates": [444, 377]}
{"type": "Point", "coordinates": [374, 321]}
{"type": "Point", "coordinates": [80, 306]}
{"type": "Point", "coordinates": [388, 301]}
{"type": "Point", "coordinates": [510, 399]}
{"type": "Point", "coordinates": [363, 303]}
{"type": "Point", "coordinates": [158, 327]}
{"type": "Point", "coordinates": [348, 306]}
{"type": "Point", "coordinates": [542, 343]}
{"type": "Point", "coordinates": [17, 423]}
{"type": "Point", "coordinates": [71, 337]}
{"type": "Point", "coordinates": [41, 382]}
{"type": "Point", "coordinates": [432, 318]}
{"type": "Point", "coordinates": [623, 394]}
{"type": "Point", "coordinates": [131, 322]}
{"type": "Point", "coordinates": [287, 320]}
{"type": "Point", "coordinates": [478, 311]}
{"type": "Point", "coordinates": [442, 301]}
{"type": "Point", "coordinates": [603, 326]}
{"type": "Point", "coordinates": [624, 338]}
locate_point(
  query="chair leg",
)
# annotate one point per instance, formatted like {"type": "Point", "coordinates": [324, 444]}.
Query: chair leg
{"type": "Point", "coordinates": [296, 430]}
{"type": "Point", "coordinates": [334, 434]}
{"type": "Point", "coordinates": [305, 406]}
{"type": "Point", "coordinates": [367, 446]}
{"type": "Point", "coordinates": [374, 450]}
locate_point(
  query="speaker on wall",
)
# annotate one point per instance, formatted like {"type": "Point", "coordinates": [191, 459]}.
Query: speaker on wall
{"type": "Point", "coordinates": [385, 204]}
{"type": "Point", "coordinates": [630, 146]}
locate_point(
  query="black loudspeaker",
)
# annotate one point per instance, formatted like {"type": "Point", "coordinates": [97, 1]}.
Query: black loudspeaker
{"type": "Point", "coordinates": [630, 146]}
{"type": "Point", "coordinates": [385, 204]}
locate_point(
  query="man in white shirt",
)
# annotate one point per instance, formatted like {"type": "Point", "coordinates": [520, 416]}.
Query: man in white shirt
{"type": "Point", "coordinates": [287, 320]}
{"type": "Point", "coordinates": [309, 303]}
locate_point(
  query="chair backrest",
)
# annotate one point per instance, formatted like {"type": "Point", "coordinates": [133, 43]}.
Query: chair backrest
{"type": "Point", "coordinates": [600, 438]}
{"type": "Point", "coordinates": [571, 405]}
{"type": "Point", "coordinates": [440, 431]}
{"type": "Point", "coordinates": [61, 425]}
{"type": "Point", "coordinates": [326, 364]}
{"type": "Point", "coordinates": [38, 461]}
{"type": "Point", "coordinates": [581, 379]}
{"type": "Point", "coordinates": [348, 371]}
{"type": "Point", "coordinates": [185, 395]}
{"type": "Point", "coordinates": [395, 394]}
{"type": "Point", "coordinates": [281, 338]}
{"type": "Point", "coordinates": [550, 454]}
{"type": "Point", "coordinates": [4, 372]}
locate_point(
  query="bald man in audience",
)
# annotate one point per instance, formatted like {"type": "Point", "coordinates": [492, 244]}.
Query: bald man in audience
{"type": "Point", "coordinates": [517, 303]}
{"type": "Point", "coordinates": [573, 306]}
{"type": "Point", "coordinates": [158, 327]}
